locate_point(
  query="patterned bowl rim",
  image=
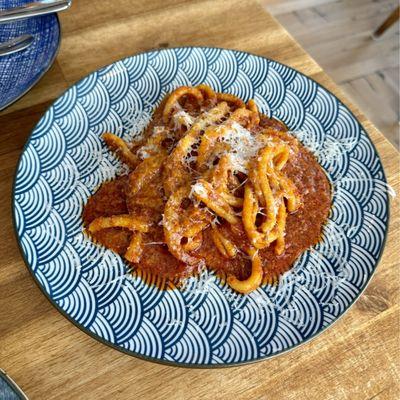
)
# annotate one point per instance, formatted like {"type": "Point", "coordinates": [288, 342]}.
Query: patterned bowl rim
{"type": "Point", "coordinates": [191, 365]}
{"type": "Point", "coordinates": [40, 76]}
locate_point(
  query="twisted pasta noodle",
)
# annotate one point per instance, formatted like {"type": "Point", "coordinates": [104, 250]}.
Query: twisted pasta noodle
{"type": "Point", "coordinates": [224, 245]}
{"type": "Point", "coordinates": [153, 145]}
{"type": "Point", "coordinates": [274, 162]}
{"type": "Point", "coordinates": [219, 178]}
{"type": "Point", "coordinates": [242, 116]}
{"type": "Point", "coordinates": [120, 147]}
{"type": "Point", "coordinates": [203, 191]}
{"type": "Point", "coordinates": [172, 230]}
{"type": "Point", "coordinates": [290, 193]}
{"type": "Point", "coordinates": [135, 249]}
{"type": "Point", "coordinates": [275, 212]}
{"type": "Point", "coordinates": [255, 278]}
{"type": "Point", "coordinates": [279, 230]}
{"type": "Point", "coordinates": [280, 156]}
{"type": "Point", "coordinates": [195, 221]}
{"type": "Point", "coordinates": [272, 228]}
{"type": "Point", "coordinates": [254, 183]}
{"type": "Point", "coordinates": [267, 196]}
{"type": "Point", "coordinates": [119, 221]}
{"type": "Point", "coordinates": [208, 140]}
{"type": "Point", "coordinates": [207, 92]}
{"type": "Point", "coordinates": [144, 173]}
{"type": "Point", "coordinates": [271, 159]}
{"type": "Point", "coordinates": [174, 97]}
{"type": "Point", "coordinates": [218, 244]}
{"type": "Point", "coordinates": [265, 170]}
{"type": "Point", "coordinates": [212, 141]}
{"type": "Point", "coordinates": [173, 175]}
{"type": "Point", "coordinates": [182, 119]}
{"type": "Point", "coordinates": [249, 215]}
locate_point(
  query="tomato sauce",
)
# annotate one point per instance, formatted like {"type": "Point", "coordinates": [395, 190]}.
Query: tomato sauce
{"type": "Point", "coordinates": [303, 228]}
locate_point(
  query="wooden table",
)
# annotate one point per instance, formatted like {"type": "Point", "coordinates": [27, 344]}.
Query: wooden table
{"type": "Point", "coordinates": [51, 358]}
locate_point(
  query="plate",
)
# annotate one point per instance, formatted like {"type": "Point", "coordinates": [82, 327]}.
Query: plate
{"type": "Point", "coordinates": [204, 324]}
{"type": "Point", "coordinates": [19, 72]}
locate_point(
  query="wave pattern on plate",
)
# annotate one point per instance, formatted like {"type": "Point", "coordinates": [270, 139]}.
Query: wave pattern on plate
{"type": "Point", "coordinates": [203, 323]}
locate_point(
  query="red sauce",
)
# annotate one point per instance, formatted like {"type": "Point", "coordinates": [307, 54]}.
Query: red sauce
{"type": "Point", "coordinates": [303, 228]}
{"type": "Point", "coordinates": [109, 200]}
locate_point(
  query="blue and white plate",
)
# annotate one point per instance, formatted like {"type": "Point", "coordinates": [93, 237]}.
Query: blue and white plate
{"type": "Point", "coordinates": [205, 323]}
{"type": "Point", "coordinates": [20, 71]}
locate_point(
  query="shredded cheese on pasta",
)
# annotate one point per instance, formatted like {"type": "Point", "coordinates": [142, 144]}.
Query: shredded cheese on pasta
{"type": "Point", "coordinates": [214, 167]}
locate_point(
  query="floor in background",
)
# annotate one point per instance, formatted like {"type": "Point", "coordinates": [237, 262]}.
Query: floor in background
{"type": "Point", "coordinates": [337, 34]}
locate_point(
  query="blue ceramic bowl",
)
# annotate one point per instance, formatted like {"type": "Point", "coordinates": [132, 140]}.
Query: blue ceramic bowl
{"type": "Point", "coordinates": [19, 72]}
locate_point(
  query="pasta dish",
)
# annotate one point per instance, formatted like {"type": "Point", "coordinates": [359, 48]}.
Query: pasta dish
{"type": "Point", "coordinates": [212, 182]}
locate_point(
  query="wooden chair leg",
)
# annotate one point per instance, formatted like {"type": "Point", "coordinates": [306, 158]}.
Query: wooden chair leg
{"type": "Point", "coordinates": [393, 17]}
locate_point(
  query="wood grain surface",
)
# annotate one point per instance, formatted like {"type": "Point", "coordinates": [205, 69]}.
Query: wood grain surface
{"type": "Point", "coordinates": [338, 35]}
{"type": "Point", "coordinates": [50, 358]}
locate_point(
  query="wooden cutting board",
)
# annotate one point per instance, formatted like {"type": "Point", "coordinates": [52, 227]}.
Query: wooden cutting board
{"type": "Point", "coordinates": [358, 358]}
